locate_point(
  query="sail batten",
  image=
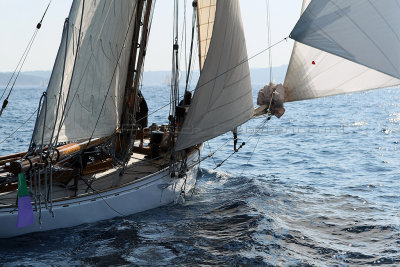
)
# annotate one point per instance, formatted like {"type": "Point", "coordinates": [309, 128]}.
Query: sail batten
{"type": "Point", "coordinates": [340, 48]}
{"type": "Point", "coordinates": [88, 78]}
{"type": "Point", "coordinates": [223, 96]}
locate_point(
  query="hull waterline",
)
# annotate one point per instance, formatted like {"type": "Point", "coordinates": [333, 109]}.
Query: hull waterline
{"type": "Point", "coordinates": [149, 192]}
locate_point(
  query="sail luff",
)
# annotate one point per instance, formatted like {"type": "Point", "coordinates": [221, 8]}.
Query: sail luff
{"type": "Point", "coordinates": [223, 95]}
{"type": "Point", "coordinates": [206, 10]}
{"type": "Point", "coordinates": [97, 85]}
{"type": "Point", "coordinates": [41, 119]}
{"type": "Point", "coordinates": [72, 75]}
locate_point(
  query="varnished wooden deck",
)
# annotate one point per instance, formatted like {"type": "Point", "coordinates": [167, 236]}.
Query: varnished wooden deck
{"type": "Point", "coordinates": [137, 167]}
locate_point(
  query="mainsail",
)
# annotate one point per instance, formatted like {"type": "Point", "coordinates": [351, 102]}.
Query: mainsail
{"type": "Point", "coordinates": [86, 89]}
{"type": "Point", "coordinates": [206, 17]}
{"type": "Point", "coordinates": [223, 96]}
{"type": "Point", "coordinates": [361, 40]}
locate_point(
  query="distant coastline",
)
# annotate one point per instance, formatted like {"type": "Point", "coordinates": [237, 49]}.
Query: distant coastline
{"type": "Point", "coordinates": [150, 78]}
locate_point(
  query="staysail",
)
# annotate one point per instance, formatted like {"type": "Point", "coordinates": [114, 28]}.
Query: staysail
{"type": "Point", "coordinates": [223, 96]}
{"type": "Point", "coordinates": [206, 17]}
{"type": "Point", "coordinates": [361, 39]}
{"type": "Point", "coordinates": [86, 88]}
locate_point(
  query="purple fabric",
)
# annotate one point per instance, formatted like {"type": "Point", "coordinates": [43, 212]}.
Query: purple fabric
{"type": "Point", "coordinates": [25, 212]}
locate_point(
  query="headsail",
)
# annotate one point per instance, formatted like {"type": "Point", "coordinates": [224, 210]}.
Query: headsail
{"type": "Point", "coordinates": [90, 71]}
{"type": "Point", "coordinates": [223, 96]}
{"type": "Point", "coordinates": [206, 17]}
{"type": "Point", "coordinates": [314, 73]}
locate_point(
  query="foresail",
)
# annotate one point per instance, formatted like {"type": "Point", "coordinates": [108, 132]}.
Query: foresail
{"type": "Point", "coordinates": [223, 96]}
{"type": "Point", "coordinates": [314, 73]}
{"type": "Point", "coordinates": [206, 17]}
{"type": "Point", "coordinates": [86, 88]}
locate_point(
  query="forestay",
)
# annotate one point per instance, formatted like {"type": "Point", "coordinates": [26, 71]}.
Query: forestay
{"type": "Point", "coordinates": [365, 32]}
{"type": "Point", "coordinates": [223, 97]}
{"type": "Point", "coordinates": [206, 17]}
{"type": "Point", "coordinates": [86, 88]}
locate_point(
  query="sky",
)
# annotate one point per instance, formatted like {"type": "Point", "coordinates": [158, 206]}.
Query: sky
{"type": "Point", "coordinates": [18, 19]}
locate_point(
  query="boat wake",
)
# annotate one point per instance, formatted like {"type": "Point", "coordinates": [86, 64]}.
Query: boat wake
{"type": "Point", "coordinates": [253, 221]}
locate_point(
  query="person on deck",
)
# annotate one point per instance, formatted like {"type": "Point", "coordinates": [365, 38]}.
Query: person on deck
{"type": "Point", "coordinates": [141, 117]}
{"type": "Point", "coordinates": [181, 108]}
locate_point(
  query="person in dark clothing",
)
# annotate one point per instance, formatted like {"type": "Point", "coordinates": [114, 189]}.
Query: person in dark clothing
{"type": "Point", "coordinates": [187, 99]}
{"type": "Point", "coordinates": [181, 108]}
{"type": "Point", "coordinates": [141, 117]}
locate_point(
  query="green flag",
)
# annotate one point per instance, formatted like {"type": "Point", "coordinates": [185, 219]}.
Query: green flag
{"type": "Point", "coordinates": [22, 187]}
{"type": "Point", "coordinates": [25, 210]}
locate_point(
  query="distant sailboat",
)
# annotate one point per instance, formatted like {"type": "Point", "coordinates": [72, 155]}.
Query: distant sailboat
{"type": "Point", "coordinates": [167, 80]}
{"type": "Point", "coordinates": [91, 156]}
{"type": "Point", "coordinates": [43, 83]}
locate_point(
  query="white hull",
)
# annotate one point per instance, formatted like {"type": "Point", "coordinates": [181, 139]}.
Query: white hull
{"type": "Point", "coordinates": [149, 192]}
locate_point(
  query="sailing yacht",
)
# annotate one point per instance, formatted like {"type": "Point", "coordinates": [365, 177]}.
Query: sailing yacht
{"type": "Point", "coordinates": [92, 155]}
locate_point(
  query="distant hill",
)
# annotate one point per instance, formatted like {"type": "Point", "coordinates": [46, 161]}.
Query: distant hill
{"type": "Point", "coordinates": [150, 78]}
{"type": "Point", "coordinates": [39, 73]}
{"type": "Point", "coordinates": [261, 76]}
{"type": "Point", "coordinates": [28, 78]}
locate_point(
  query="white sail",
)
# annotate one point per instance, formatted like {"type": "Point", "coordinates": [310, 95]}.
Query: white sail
{"type": "Point", "coordinates": [206, 17]}
{"type": "Point", "coordinates": [91, 70]}
{"type": "Point", "coordinates": [223, 96]}
{"type": "Point", "coordinates": [314, 73]}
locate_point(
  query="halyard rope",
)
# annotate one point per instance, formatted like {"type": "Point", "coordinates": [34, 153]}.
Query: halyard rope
{"type": "Point", "coordinates": [21, 62]}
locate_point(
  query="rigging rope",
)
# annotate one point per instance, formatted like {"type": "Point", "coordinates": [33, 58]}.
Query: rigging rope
{"type": "Point", "coordinates": [19, 127]}
{"type": "Point", "coordinates": [269, 38]}
{"type": "Point", "coordinates": [251, 156]}
{"type": "Point", "coordinates": [63, 116]}
{"type": "Point", "coordinates": [260, 127]}
{"type": "Point", "coordinates": [194, 20]}
{"type": "Point", "coordinates": [21, 63]}
{"type": "Point", "coordinates": [209, 148]}
{"type": "Point", "coordinates": [213, 79]}
{"type": "Point", "coordinates": [166, 105]}
{"type": "Point", "coordinates": [184, 36]}
{"type": "Point", "coordinates": [175, 62]}
{"type": "Point", "coordinates": [249, 138]}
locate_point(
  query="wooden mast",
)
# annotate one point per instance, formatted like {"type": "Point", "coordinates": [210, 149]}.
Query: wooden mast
{"type": "Point", "coordinates": [125, 136]}
{"type": "Point", "coordinates": [130, 101]}
{"type": "Point", "coordinates": [143, 46]}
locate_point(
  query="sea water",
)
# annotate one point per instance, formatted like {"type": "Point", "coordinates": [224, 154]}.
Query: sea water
{"type": "Point", "coordinates": [319, 187]}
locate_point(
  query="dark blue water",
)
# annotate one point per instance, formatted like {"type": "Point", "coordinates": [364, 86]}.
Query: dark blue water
{"type": "Point", "coordinates": [322, 188]}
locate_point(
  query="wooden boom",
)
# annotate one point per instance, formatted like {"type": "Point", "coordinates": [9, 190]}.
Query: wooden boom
{"type": "Point", "coordinates": [61, 152]}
